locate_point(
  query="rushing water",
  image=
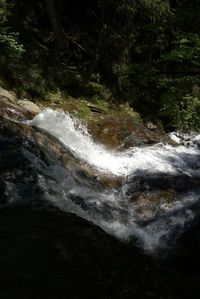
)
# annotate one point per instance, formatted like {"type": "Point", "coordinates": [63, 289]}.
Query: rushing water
{"type": "Point", "coordinates": [159, 158]}
{"type": "Point", "coordinates": [155, 221]}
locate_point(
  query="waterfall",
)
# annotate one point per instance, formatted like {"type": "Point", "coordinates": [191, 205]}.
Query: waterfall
{"type": "Point", "coordinates": [158, 158]}
{"type": "Point", "coordinates": [153, 221]}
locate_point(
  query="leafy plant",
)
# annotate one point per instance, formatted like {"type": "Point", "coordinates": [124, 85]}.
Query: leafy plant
{"type": "Point", "coordinates": [9, 42]}
{"type": "Point", "coordinates": [186, 48]}
{"type": "Point", "coordinates": [185, 113]}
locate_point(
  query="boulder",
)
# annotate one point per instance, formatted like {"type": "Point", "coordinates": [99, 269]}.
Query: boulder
{"type": "Point", "coordinates": [151, 126]}
{"type": "Point", "coordinates": [6, 94]}
{"type": "Point", "coordinates": [12, 111]}
{"type": "Point", "coordinates": [121, 131]}
{"type": "Point", "coordinates": [30, 106]}
{"type": "Point", "coordinates": [148, 204]}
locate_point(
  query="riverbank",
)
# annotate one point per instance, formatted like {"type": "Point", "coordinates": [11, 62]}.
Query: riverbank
{"type": "Point", "coordinates": [115, 126]}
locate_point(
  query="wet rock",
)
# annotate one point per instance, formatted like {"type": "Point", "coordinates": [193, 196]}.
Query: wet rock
{"type": "Point", "coordinates": [177, 182]}
{"type": "Point", "coordinates": [148, 204]}
{"type": "Point", "coordinates": [26, 153]}
{"type": "Point", "coordinates": [123, 131]}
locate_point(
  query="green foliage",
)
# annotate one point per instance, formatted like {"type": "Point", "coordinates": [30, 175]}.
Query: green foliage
{"type": "Point", "coordinates": [30, 81]}
{"type": "Point", "coordinates": [97, 91]}
{"type": "Point", "coordinates": [4, 10]}
{"type": "Point", "coordinates": [181, 101]}
{"type": "Point", "coordinates": [83, 109]}
{"type": "Point", "coordinates": [186, 48]}
{"type": "Point", "coordinates": [144, 52]}
{"type": "Point", "coordinates": [9, 42]}
{"type": "Point", "coordinates": [158, 9]}
{"type": "Point", "coordinates": [185, 113]}
{"type": "Point", "coordinates": [57, 96]}
{"type": "Point", "coordinates": [11, 50]}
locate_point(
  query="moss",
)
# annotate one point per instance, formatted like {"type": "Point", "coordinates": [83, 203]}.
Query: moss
{"type": "Point", "coordinates": [83, 109]}
{"type": "Point", "coordinates": [57, 97]}
{"type": "Point", "coordinates": [102, 105]}
{"type": "Point", "coordinates": [131, 112]}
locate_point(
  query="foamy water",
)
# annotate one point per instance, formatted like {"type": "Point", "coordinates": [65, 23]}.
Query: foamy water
{"type": "Point", "coordinates": [157, 158]}
{"type": "Point", "coordinates": [112, 209]}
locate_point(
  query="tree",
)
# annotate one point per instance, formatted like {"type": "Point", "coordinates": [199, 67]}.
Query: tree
{"type": "Point", "coordinates": [58, 32]}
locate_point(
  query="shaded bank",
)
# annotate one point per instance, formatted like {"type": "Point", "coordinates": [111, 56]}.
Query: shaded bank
{"type": "Point", "coordinates": [50, 254]}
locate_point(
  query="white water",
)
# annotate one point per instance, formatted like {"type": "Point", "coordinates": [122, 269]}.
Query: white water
{"type": "Point", "coordinates": [157, 158]}
{"type": "Point", "coordinates": [110, 209]}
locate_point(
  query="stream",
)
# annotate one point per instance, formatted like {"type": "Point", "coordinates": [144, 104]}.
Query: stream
{"type": "Point", "coordinates": [78, 219]}
{"type": "Point", "coordinates": [155, 199]}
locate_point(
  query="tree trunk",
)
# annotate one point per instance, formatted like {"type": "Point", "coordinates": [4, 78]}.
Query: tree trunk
{"type": "Point", "coordinates": [59, 38]}
{"type": "Point", "coordinates": [95, 57]}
